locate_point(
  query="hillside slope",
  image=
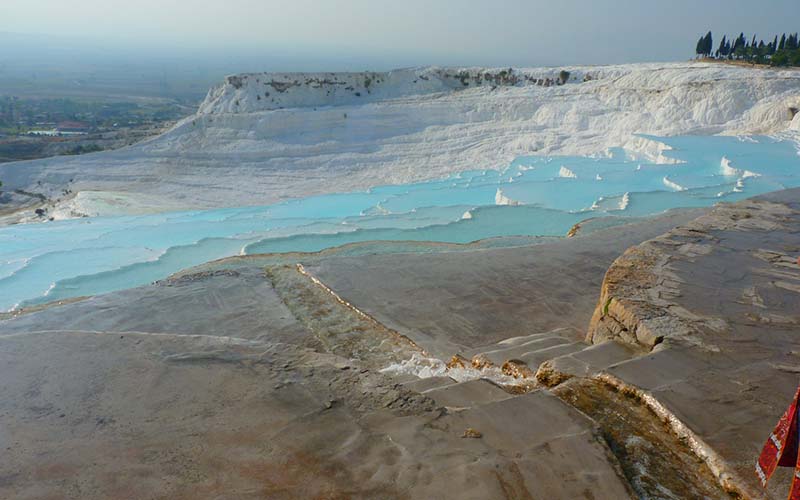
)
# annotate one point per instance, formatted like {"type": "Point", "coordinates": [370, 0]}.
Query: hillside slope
{"type": "Point", "coordinates": [261, 138]}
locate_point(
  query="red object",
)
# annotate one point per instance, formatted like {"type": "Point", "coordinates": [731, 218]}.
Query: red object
{"type": "Point", "coordinates": [781, 449]}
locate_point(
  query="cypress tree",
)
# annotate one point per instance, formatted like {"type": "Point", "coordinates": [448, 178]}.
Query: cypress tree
{"type": "Point", "coordinates": [760, 51]}
{"type": "Point", "coordinates": [781, 51]}
{"type": "Point", "coordinates": [704, 45]}
{"type": "Point", "coordinates": [739, 46]}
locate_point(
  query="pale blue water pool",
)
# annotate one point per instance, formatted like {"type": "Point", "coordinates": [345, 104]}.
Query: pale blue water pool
{"type": "Point", "coordinates": [541, 196]}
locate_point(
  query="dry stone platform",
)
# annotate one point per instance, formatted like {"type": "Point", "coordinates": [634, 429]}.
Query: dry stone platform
{"type": "Point", "coordinates": [254, 381]}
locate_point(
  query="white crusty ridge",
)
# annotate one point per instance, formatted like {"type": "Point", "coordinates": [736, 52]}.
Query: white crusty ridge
{"type": "Point", "coordinates": [261, 138]}
{"type": "Point", "coordinates": [252, 92]}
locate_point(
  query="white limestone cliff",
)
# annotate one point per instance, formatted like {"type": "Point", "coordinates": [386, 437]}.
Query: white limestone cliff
{"type": "Point", "coordinates": [261, 138]}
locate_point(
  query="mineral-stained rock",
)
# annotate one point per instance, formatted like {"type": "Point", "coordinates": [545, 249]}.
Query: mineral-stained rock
{"type": "Point", "coordinates": [656, 462]}
{"type": "Point", "coordinates": [716, 303]}
{"type": "Point", "coordinates": [469, 432]}
{"type": "Point", "coordinates": [481, 361]}
{"type": "Point", "coordinates": [640, 295]}
{"type": "Point", "coordinates": [517, 369]}
{"type": "Point", "coordinates": [458, 361]}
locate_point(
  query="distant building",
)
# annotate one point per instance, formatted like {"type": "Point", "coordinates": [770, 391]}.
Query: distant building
{"type": "Point", "coordinates": [72, 127]}
{"type": "Point", "coordinates": [52, 132]}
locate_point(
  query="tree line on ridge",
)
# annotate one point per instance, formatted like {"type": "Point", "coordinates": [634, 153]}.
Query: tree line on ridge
{"type": "Point", "coordinates": [780, 51]}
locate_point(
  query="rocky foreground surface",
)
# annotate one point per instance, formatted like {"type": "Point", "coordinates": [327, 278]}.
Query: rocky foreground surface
{"type": "Point", "coordinates": [717, 304]}
{"type": "Point", "coordinates": [257, 378]}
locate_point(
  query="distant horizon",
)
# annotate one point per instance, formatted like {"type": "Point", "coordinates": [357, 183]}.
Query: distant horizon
{"type": "Point", "coordinates": [295, 59]}
{"type": "Point", "coordinates": [353, 34]}
{"type": "Point", "coordinates": [121, 68]}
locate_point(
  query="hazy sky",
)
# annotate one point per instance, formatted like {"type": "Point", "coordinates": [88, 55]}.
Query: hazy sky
{"type": "Point", "coordinates": [390, 33]}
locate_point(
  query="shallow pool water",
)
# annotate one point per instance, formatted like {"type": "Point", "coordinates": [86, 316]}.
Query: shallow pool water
{"type": "Point", "coordinates": [541, 196]}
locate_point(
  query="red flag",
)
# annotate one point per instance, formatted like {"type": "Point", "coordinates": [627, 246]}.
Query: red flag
{"type": "Point", "coordinates": [781, 449]}
{"type": "Point", "coordinates": [794, 493]}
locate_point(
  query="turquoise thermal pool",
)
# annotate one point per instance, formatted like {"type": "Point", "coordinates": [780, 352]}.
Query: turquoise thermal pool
{"type": "Point", "coordinates": [541, 196]}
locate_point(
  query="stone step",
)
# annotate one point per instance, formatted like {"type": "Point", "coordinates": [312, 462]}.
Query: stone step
{"type": "Point", "coordinates": [515, 341]}
{"type": "Point", "coordinates": [467, 394]}
{"type": "Point", "coordinates": [527, 338]}
{"type": "Point", "coordinates": [499, 356]}
{"type": "Point", "coordinates": [535, 358]}
{"type": "Point", "coordinates": [430, 383]}
{"type": "Point", "coordinates": [667, 366]}
{"type": "Point", "coordinates": [585, 362]}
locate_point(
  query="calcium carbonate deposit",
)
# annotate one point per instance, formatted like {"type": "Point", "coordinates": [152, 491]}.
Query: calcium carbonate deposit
{"type": "Point", "coordinates": [259, 139]}
{"type": "Point", "coordinates": [531, 196]}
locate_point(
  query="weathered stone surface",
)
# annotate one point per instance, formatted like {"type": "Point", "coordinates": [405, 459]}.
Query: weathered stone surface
{"type": "Point", "coordinates": [460, 302]}
{"type": "Point", "coordinates": [553, 440]}
{"type": "Point", "coordinates": [499, 356]}
{"type": "Point", "coordinates": [656, 464]}
{"type": "Point", "coordinates": [718, 302]}
{"type": "Point", "coordinates": [467, 394]}
{"type": "Point", "coordinates": [220, 385]}
{"type": "Point", "coordinates": [641, 298]}
{"type": "Point", "coordinates": [426, 384]}
{"type": "Point", "coordinates": [231, 382]}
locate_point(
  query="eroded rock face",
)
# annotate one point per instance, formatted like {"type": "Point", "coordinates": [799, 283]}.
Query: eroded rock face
{"type": "Point", "coordinates": [640, 298]}
{"type": "Point", "coordinates": [268, 91]}
{"type": "Point", "coordinates": [716, 303]}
